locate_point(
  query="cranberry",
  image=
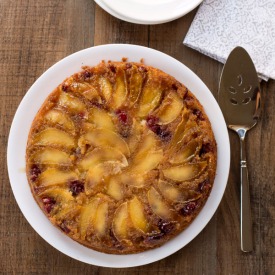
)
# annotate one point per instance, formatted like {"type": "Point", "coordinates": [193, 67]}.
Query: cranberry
{"type": "Point", "coordinates": [112, 68]}
{"type": "Point", "coordinates": [122, 115]}
{"type": "Point", "coordinates": [64, 227]}
{"type": "Point", "coordinates": [188, 208]}
{"type": "Point", "coordinates": [156, 236]}
{"type": "Point", "coordinates": [204, 185]}
{"type": "Point", "coordinates": [128, 65]}
{"type": "Point", "coordinates": [65, 87]}
{"type": "Point", "coordinates": [206, 148]}
{"type": "Point", "coordinates": [199, 114]}
{"type": "Point", "coordinates": [48, 203]}
{"type": "Point", "coordinates": [142, 69]}
{"type": "Point", "coordinates": [87, 75]}
{"type": "Point", "coordinates": [76, 187]}
{"type": "Point", "coordinates": [166, 227]}
{"type": "Point", "coordinates": [174, 87]}
{"type": "Point", "coordinates": [152, 124]}
{"type": "Point", "coordinates": [34, 173]}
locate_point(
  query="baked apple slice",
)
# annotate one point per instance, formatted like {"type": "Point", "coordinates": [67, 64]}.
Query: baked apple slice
{"type": "Point", "coordinates": [137, 215]}
{"type": "Point", "coordinates": [106, 88]}
{"type": "Point", "coordinates": [72, 103]}
{"type": "Point", "coordinates": [135, 85]}
{"type": "Point", "coordinates": [184, 172]}
{"type": "Point", "coordinates": [186, 153]}
{"type": "Point", "coordinates": [53, 176]}
{"type": "Point", "coordinates": [170, 192]}
{"type": "Point", "coordinates": [149, 99]}
{"type": "Point", "coordinates": [115, 188]}
{"type": "Point", "coordinates": [54, 137]}
{"type": "Point", "coordinates": [87, 216]}
{"type": "Point", "coordinates": [169, 109]}
{"type": "Point", "coordinates": [120, 222]}
{"type": "Point", "coordinates": [101, 154]}
{"type": "Point", "coordinates": [101, 218]}
{"type": "Point", "coordinates": [101, 119]}
{"type": "Point", "coordinates": [56, 117]}
{"type": "Point", "coordinates": [120, 90]}
{"type": "Point", "coordinates": [158, 205]}
{"type": "Point", "coordinates": [105, 138]}
{"type": "Point", "coordinates": [51, 156]}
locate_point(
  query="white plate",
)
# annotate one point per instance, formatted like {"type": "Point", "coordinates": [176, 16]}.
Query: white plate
{"type": "Point", "coordinates": [113, 13]}
{"type": "Point", "coordinates": [32, 102]}
{"type": "Point", "coordinates": [148, 12]}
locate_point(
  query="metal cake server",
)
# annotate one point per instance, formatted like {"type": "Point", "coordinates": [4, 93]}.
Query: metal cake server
{"type": "Point", "coordinates": [239, 99]}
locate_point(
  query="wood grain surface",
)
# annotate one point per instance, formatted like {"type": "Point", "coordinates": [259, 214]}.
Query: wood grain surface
{"type": "Point", "coordinates": [36, 34]}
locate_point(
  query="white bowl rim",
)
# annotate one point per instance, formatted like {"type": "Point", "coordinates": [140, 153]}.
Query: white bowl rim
{"type": "Point", "coordinates": [34, 99]}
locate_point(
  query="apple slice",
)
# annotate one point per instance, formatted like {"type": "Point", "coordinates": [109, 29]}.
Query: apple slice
{"type": "Point", "coordinates": [80, 87]}
{"type": "Point", "coordinates": [60, 118]}
{"type": "Point", "coordinates": [106, 88]}
{"type": "Point", "coordinates": [92, 95]}
{"type": "Point", "coordinates": [170, 108]}
{"type": "Point", "coordinates": [186, 153]}
{"type": "Point", "coordinates": [97, 174]}
{"type": "Point", "coordinates": [137, 215]}
{"type": "Point", "coordinates": [149, 142]}
{"type": "Point", "coordinates": [72, 103]}
{"type": "Point", "coordinates": [99, 155]}
{"type": "Point", "coordinates": [51, 156]}
{"type": "Point", "coordinates": [158, 205]}
{"type": "Point", "coordinates": [101, 119]}
{"type": "Point", "coordinates": [170, 192]}
{"type": "Point", "coordinates": [120, 90]}
{"type": "Point", "coordinates": [58, 194]}
{"type": "Point", "coordinates": [87, 216]}
{"type": "Point", "coordinates": [135, 85]}
{"type": "Point", "coordinates": [144, 163]}
{"type": "Point", "coordinates": [54, 137]}
{"type": "Point", "coordinates": [53, 176]}
{"type": "Point", "coordinates": [132, 180]}
{"type": "Point", "coordinates": [68, 211]}
{"type": "Point", "coordinates": [120, 222]}
{"type": "Point", "coordinates": [184, 172]}
{"type": "Point", "coordinates": [101, 218]}
{"type": "Point", "coordinates": [115, 188]}
{"type": "Point", "coordinates": [135, 135]}
{"type": "Point", "coordinates": [149, 100]}
{"type": "Point", "coordinates": [106, 138]}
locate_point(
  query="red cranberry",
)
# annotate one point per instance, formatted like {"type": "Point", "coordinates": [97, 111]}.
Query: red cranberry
{"type": "Point", "coordinates": [142, 69]}
{"type": "Point", "coordinates": [166, 227]}
{"type": "Point", "coordinates": [154, 237]}
{"type": "Point", "coordinates": [128, 65]}
{"type": "Point", "coordinates": [199, 114]}
{"type": "Point", "coordinates": [152, 124]}
{"type": "Point", "coordinates": [34, 173]}
{"type": "Point", "coordinates": [122, 115]}
{"type": "Point", "coordinates": [112, 68]}
{"type": "Point", "coordinates": [206, 148]}
{"type": "Point", "coordinates": [48, 203]}
{"type": "Point", "coordinates": [65, 87]}
{"type": "Point", "coordinates": [204, 185]}
{"type": "Point", "coordinates": [64, 227]}
{"type": "Point", "coordinates": [87, 75]}
{"type": "Point", "coordinates": [188, 208]}
{"type": "Point", "coordinates": [76, 187]}
{"type": "Point", "coordinates": [174, 87]}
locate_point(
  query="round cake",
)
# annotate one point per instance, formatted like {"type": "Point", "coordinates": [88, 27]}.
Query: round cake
{"type": "Point", "coordinates": [121, 157]}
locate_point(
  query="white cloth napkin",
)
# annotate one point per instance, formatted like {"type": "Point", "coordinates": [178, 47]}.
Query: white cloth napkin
{"type": "Point", "coordinates": [221, 25]}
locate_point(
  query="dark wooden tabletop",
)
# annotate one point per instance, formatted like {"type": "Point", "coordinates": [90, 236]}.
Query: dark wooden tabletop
{"type": "Point", "coordinates": [34, 35]}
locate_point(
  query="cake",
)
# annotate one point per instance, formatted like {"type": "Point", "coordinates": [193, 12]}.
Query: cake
{"type": "Point", "coordinates": [121, 157]}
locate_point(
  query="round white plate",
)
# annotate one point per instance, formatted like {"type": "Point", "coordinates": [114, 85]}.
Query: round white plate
{"type": "Point", "coordinates": [148, 12]}
{"type": "Point", "coordinates": [30, 105]}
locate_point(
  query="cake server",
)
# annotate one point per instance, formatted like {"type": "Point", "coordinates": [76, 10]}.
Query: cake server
{"type": "Point", "coordinates": [239, 99]}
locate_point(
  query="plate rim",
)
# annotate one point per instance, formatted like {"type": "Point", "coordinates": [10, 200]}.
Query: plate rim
{"type": "Point", "coordinates": [148, 21]}
{"type": "Point", "coordinates": [109, 260]}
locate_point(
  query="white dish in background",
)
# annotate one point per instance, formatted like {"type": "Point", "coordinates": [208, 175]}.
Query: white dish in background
{"type": "Point", "coordinates": [33, 100]}
{"type": "Point", "coordinates": [148, 12]}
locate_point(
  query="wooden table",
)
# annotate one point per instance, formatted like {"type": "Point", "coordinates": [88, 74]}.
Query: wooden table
{"type": "Point", "coordinates": [35, 35]}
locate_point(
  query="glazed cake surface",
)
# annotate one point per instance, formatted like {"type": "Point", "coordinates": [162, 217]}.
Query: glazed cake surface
{"type": "Point", "coordinates": [121, 157]}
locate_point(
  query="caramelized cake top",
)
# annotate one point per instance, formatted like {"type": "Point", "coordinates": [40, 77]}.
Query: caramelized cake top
{"type": "Point", "coordinates": [121, 157]}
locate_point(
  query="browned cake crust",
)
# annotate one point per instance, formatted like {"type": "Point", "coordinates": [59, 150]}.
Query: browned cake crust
{"type": "Point", "coordinates": [121, 157]}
